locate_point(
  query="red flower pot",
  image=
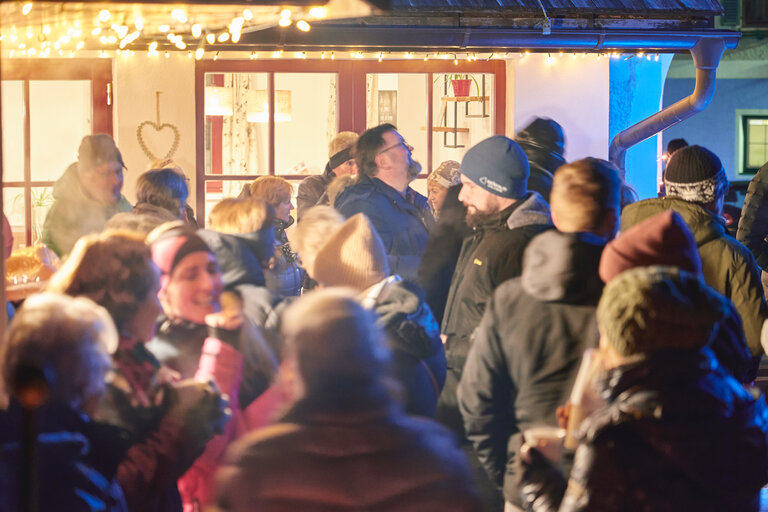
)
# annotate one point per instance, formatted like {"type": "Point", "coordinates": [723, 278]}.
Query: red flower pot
{"type": "Point", "coordinates": [461, 87]}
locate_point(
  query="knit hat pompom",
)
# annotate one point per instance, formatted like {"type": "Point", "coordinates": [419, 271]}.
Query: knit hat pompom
{"type": "Point", "coordinates": [499, 165]}
{"type": "Point", "coordinates": [659, 308]}
{"type": "Point", "coordinates": [354, 256]}
{"type": "Point", "coordinates": [663, 239]}
{"type": "Point", "coordinates": [695, 174]}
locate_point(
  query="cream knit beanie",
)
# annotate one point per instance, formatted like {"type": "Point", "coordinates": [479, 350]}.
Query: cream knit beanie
{"type": "Point", "coordinates": [353, 256]}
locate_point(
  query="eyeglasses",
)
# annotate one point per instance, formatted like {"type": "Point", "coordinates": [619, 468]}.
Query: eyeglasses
{"type": "Point", "coordinates": [401, 143]}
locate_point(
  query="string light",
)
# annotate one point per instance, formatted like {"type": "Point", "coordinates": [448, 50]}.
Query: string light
{"type": "Point", "coordinates": [104, 15]}
{"type": "Point", "coordinates": [216, 56]}
{"type": "Point", "coordinates": [167, 54]}
{"type": "Point", "coordinates": [247, 14]}
{"type": "Point", "coordinates": [318, 12]}
{"type": "Point", "coordinates": [284, 22]}
{"type": "Point", "coordinates": [322, 55]}
{"type": "Point", "coordinates": [164, 28]}
{"type": "Point", "coordinates": [333, 55]}
{"type": "Point", "coordinates": [139, 24]}
{"type": "Point", "coordinates": [548, 61]}
{"type": "Point", "coordinates": [254, 55]}
{"type": "Point", "coordinates": [303, 26]}
{"type": "Point", "coordinates": [197, 31]}
{"type": "Point", "coordinates": [179, 15]}
{"type": "Point", "coordinates": [199, 54]}
{"type": "Point", "coordinates": [211, 38]}
{"type": "Point", "coordinates": [27, 8]}
{"type": "Point", "coordinates": [223, 37]}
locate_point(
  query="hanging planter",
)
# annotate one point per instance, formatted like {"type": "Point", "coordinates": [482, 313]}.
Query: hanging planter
{"type": "Point", "coordinates": [461, 87]}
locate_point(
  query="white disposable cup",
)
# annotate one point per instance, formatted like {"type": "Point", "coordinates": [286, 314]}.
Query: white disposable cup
{"type": "Point", "coordinates": [548, 440]}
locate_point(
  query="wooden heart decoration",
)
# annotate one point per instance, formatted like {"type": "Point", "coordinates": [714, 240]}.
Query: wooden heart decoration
{"type": "Point", "coordinates": [158, 127]}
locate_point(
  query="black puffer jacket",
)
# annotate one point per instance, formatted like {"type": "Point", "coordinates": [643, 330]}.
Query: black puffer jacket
{"type": "Point", "coordinates": [493, 254]}
{"type": "Point", "coordinates": [77, 461]}
{"type": "Point", "coordinates": [527, 349]}
{"type": "Point", "coordinates": [753, 224]}
{"type": "Point", "coordinates": [417, 352]}
{"type": "Point", "coordinates": [442, 252]}
{"type": "Point", "coordinates": [240, 258]}
{"type": "Point", "coordinates": [678, 433]}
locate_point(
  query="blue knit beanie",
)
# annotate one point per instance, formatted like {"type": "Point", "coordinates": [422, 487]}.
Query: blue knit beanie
{"type": "Point", "coordinates": [499, 165]}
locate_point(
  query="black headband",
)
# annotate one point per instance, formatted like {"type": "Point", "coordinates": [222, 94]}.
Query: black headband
{"type": "Point", "coordinates": [339, 158]}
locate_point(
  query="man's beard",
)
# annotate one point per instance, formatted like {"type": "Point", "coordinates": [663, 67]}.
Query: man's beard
{"type": "Point", "coordinates": [414, 168]}
{"type": "Point", "coordinates": [475, 217]}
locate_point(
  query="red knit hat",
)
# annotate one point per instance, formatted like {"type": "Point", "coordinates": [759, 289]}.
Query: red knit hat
{"type": "Point", "coordinates": [663, 239]}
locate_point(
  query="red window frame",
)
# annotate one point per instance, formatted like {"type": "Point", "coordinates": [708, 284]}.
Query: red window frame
{"type": "Point", "coordinates": [351, 93]}
{"type": "Point", "coordinates": [98, 71]}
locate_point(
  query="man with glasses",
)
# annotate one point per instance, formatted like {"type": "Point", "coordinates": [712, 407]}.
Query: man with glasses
{"type": "Point", "coordinates": [87, 195]}
{"type": "Point", "coordinates": [400, 215]}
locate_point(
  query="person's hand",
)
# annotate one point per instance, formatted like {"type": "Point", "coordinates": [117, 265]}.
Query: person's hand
{"type": "Point", "coordinates": [225, 326]}
{"type": "Point", "coordinates": [229, 319]}
{"type": "Point", "coordinates": [562, 413]}
{"type": "Point", "coordinates": [201, 406]}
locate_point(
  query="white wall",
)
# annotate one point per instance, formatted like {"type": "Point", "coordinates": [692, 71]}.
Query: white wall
{"type": "Point", "coordinates": [572, 91]}
{"type": "Point", "coordinates": [136, 79]}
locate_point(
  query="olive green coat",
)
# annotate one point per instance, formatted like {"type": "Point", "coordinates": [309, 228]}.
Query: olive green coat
{"type": "Point", "coordinates": [727, 265]}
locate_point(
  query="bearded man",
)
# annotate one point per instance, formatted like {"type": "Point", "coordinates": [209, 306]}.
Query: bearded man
{"type": "Point", "coordinates": [504, 217]}
{"type": "Point", "coordinates": [382, 192]}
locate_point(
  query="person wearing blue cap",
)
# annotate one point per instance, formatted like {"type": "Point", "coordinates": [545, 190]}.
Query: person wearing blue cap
{"type": "Point", "coordinates": [504, 216]}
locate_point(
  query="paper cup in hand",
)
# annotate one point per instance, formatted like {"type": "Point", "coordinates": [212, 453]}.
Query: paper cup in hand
{"type": "Point", "coordinates": [548, 440]}
{"type": "Point", "coordinates": [585, 398]}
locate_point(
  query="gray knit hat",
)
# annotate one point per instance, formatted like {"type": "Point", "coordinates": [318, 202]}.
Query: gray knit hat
{"type": "Point", "coordinates": [656, 308]}
{"type": "Point", "coordinates": [695, 174]}
{"type": "Point", "coordinates": [499, 165]}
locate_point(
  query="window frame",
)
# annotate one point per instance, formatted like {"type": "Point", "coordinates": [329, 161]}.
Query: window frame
{"type": "Point", "coordinates": [351, 93]}
{"type": "Point", "coordinates": [97, 71]}
{"type": "Point", "coordinates": [744, 142]}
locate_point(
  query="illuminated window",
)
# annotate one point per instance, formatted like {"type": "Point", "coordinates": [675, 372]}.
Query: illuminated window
{"type": "Point", "coordinates": [755, 130]}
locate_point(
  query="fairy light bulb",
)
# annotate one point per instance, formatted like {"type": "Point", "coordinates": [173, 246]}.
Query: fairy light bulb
{"type": "Point", "coordinates": [303, 26]}
{"type": "Point", "coordinates": [211, 38]}
{"type": "Point", "coordinates": [104, 15]}
{"type": "Point", "coordinates": [197, 30]}
{"type": "Point", "coordinates": [27, 8]}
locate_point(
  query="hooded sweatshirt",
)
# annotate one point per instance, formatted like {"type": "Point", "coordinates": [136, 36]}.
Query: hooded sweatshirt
{"type": "Point", "coordinates": [528, 347]}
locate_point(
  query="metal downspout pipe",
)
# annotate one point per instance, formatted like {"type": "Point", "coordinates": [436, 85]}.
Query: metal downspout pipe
{"type": "Point", "coordinates": [706, 56]}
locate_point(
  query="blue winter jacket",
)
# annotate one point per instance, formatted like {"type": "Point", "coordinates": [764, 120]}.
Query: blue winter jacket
{"type": "Point", "coordinates": [402, 222]}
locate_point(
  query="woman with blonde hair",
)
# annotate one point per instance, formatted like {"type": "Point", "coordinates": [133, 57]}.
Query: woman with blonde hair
{"type": "Point", "coordinates": [285, 275]}
{"type": "Point", "coordinates": [169, 422]}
